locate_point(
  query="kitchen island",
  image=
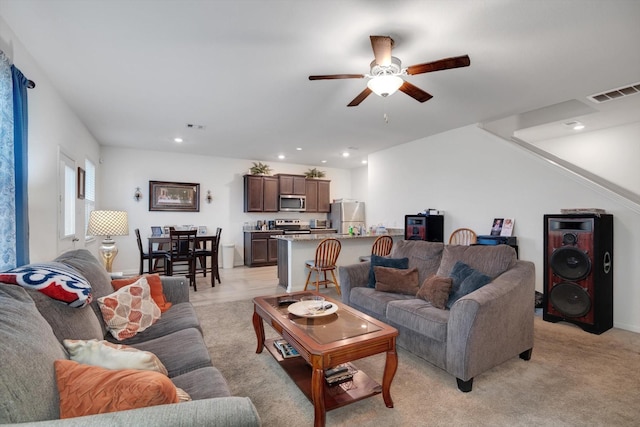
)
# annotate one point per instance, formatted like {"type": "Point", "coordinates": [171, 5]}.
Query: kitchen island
{"type": "Point", "coordinates": [294, 250]}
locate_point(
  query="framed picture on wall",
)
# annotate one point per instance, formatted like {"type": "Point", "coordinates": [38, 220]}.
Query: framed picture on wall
{"type": "Point", "coordinates": [174, 196]}
{"type": "Point", "coordinates": [82, 179]}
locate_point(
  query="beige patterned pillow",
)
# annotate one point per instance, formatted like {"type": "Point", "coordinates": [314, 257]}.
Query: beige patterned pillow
{"type": "Point", "coordinates": [129, 310]}
{"type": "Point", "coordinates": [112, 356]}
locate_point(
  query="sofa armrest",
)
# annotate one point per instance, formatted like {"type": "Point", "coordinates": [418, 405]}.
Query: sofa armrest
{"type": "Point", "coordinates": [223, 411]}
{"type": "Point", "coordinates": [492, 324]}
{"type": "Point", "coordinates": [352, 276]}
{"type": "Point", "coordinates": [175, 288]}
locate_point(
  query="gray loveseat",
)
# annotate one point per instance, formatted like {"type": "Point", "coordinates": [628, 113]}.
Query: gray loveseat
{"type": "Point", "coordinates": [481, 330]}
{"type": "Point", "coordinates": [32, 327]}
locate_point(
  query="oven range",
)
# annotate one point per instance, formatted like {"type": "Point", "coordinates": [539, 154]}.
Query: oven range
{"type": "Point", "coordinates": [292, 226]}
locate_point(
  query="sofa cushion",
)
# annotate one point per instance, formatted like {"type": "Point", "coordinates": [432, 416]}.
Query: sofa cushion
{"type": "Point", "coordinates": [180, 352]}
{"type": "Point", "coordinates": [56, 280]}
{"type": "Point", "coordinates": [419, 316]}
{"type": "Point", "coordinates": [93, 270]}
{"type": "Point", "coordinates": [203, 383]}
{"type": "Point", "coordinates": [465, 280]}
{"type": "Point", "coordinates": [112, 356]}
{"type": "Point", "coordinates": [436, 290]}
{"type": "Point", "coordinates": [28, 349]}
{"type": "Point", "coordinates": [178, 317]}
{"type": "Point", "coordinates": [67, 322]}
{"type": "Point", "coordinates": [425, 256]}
{"type": "Point", "coordinates": [88, 390]}
{"type": "Point", "coordinates": [373, 301]}
{"type": "Point", "coordinates": [129, 310]}
{"type": "Point", "coordinates": [385, 262]}
{"type": "Point", "coordinates": [154, 283]}
{"type": "Point", "coordinates": [489, 260]}
{"type": "Point", "coordinates": [396, 280]}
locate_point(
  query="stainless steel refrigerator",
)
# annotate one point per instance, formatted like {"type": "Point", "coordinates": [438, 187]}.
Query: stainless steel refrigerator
{"type": "Point", "coordinates": [347, 214]}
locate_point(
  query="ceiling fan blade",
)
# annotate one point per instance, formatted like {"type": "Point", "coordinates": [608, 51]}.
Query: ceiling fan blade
{"type": "Point", "coordinates": [443, 64]}
{"type": "Point", "coordinates": [337, 76]}
{"type": "Point", "coordinates": [361, 96]}
{"type": "Point", "coordinates": [415, 92]}
{"type": "Point", "coordinates": [381, 46]}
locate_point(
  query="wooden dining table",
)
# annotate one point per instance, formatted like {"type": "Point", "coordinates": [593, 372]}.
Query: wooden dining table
{"type": "Point", "coordinates": [208, 242]}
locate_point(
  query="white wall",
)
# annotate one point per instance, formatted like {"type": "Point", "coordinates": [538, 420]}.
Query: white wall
{"type": "Point", "coordinates": [122, 170]}
{"type": "Point", "coordinates": [611, 153]}
{"type": "Point", "coordinates": [475, 176]}
{"type": "Point", "coordinates": [52, 127]}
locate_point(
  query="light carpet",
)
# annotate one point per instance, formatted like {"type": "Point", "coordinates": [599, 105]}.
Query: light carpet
{"type": "Point", "coordinates": [574, 378]}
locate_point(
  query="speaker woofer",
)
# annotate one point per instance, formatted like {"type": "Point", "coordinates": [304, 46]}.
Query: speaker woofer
{"type": "Point", "coordinates": [570, 263]}
{"type": "Point", "coordinates": [570, 299]}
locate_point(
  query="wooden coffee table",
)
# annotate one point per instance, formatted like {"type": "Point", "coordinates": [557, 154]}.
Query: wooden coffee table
{"type": "Point", "coordinates": [325, 342]}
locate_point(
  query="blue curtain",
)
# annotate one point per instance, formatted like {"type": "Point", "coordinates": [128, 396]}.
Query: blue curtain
{"type": "Point", "coordinates": [20, 121]}
{"type": "Point", "coordinates": [7, 169]}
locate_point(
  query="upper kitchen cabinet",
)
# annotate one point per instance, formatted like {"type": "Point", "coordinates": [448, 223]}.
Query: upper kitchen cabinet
{"type": "Point", "coordinates": [260, 193]}
{"type": "Point", "coordinates": [292, 184]}
{"type": "Point", "coordinates": [318, 195]}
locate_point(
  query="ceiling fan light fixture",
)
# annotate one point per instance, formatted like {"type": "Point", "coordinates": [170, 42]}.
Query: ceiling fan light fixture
{"type": "Point", "coordinates": [385, 85]}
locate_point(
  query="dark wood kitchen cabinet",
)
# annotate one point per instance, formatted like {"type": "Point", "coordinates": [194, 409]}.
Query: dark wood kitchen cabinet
{"type": "Point", "coordinates": [260, 248]}
{"type": "Point", "coordinates": [260, 193]}
{"type": "Point", "coordinates": [292, 184]}
{"type": "Point", "coordinates": [318, 195]}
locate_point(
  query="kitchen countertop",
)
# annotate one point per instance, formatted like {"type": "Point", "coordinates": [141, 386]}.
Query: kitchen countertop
{"type": "Point", "coordinates": [313, 230]}
{"type": "Point", "coordinates": [305, 237]}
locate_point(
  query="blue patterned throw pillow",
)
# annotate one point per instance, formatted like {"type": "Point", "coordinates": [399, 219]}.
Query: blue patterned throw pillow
{"type": "Point", "coordinates": [465, 281]}
{"type": "Point", "coordinates": [53, 279]}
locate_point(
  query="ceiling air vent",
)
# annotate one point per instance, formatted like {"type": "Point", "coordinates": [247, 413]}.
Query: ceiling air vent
{"type": "Point", "coordinates": [615, 93]}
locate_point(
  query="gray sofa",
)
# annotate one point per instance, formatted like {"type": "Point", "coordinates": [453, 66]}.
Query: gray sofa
{"type": "Point", "coordinates": [481, 330]}
{"type": "Point", "coordinates": [32, 327]}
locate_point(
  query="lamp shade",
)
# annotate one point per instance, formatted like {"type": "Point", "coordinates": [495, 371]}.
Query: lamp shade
{"type": "Point", "coordinates": [108, 223]}
{"type": "Point", "coordinates": [385, 85]}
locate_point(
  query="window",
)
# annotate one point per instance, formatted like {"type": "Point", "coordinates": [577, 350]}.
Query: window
{"type": "Point", "coordinates": [67, 197]}
{"type": "Point", "coordinates": [90, 193]}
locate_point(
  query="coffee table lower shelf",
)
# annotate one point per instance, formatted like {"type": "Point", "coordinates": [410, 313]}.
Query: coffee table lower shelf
{"type": "Point", "coordinates": [359, 387]}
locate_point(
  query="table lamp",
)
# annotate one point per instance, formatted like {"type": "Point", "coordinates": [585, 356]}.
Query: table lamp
{"type": "Point", "coordinates": [108, 223]}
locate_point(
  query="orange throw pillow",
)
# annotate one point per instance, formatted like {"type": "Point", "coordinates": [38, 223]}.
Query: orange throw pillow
{"type": "Point", "coordinates": [154, 283]}
{"type": "Point", "coordinates": [89, 390]}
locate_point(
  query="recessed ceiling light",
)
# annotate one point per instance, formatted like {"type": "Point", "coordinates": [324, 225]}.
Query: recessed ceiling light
{"type": "Point", "coordinates": [364, 162]}
{"type": "Point", "coordinates": [299, 149]}
{"type": "Point", "coordinates": [323, 161]}
{"type": "Point", "coordinates": [281, 156]}
{"type": "Point", "coordinates": [345, 154]}
{"type": "Point", "coordinates": [178, 140]}
{"type": "Point", "coordinates": [575, 125]}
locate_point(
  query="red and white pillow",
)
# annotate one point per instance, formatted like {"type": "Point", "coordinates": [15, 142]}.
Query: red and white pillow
{"type": "Point", "coordinates": [129, 310]}
{"type": "Point", "coordinates": [53, 279]}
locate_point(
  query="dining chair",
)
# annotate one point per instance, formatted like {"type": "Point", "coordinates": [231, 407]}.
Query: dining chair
{"type": "Point", "coordinates": [204, 253]}
{"type": "Point", "coordinates": [381, 247]}
{"type": "Point", "coordinates": [151, 257]}
{"type": "Point", "coordinates": [463, 236]}
{"type": "Point", "coordinates": [325, 261]}
{"type": "Point", "coordinates": [182, 252]}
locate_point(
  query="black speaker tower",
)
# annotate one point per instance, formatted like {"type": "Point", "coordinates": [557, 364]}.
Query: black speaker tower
{"type": "Point", "coordinates": [578, 270]}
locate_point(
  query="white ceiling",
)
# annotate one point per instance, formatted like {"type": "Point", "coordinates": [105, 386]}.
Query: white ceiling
{"type": "Point", "coordinates": [137, 72]}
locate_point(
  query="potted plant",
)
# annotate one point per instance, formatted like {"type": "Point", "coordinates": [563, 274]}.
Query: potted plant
{"type": "Point", "coordinates": [260, 168]}
{"type": "Point", "coordinates": [314, 173]}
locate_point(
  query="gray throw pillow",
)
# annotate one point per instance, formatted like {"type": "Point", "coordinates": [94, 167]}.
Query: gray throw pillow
{"type": "Point", "coordinates": [385, 262]}
{"type": "Point", "coordinates": [465, 281]}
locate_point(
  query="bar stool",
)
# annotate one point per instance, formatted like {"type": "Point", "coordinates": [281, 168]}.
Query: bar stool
{"type": "Point", "coordinates": [463, 236]}
{"type": "Point", "coordinates": [326, 256]}
{"type": "Point", "coordinates": [381, 247]}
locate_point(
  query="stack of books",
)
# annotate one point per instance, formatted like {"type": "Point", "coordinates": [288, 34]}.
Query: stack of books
{"type": "Point", "coordinates": [338, 375]}
{"type": "Point", "coordinates": [285, 349]}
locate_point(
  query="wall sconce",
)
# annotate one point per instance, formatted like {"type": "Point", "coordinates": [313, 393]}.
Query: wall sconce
{"type": "Point", "coordinates": [209, 196]}
{"type": "Point", "coordinates": [137, 195]}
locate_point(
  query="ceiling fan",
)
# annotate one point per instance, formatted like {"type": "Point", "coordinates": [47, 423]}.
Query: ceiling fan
{"type": "Point", "coordinates": [386, 71]}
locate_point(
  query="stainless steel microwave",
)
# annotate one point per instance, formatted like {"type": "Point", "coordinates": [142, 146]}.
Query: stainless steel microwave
{"type": "Point", "coordinates": [293, 203]}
